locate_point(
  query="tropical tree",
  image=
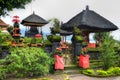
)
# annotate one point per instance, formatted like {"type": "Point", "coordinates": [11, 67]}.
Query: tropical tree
{"type": "Point", "coordinates": [9, 5]}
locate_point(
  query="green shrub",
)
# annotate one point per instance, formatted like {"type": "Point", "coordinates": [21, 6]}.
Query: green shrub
{"type": "Point", "coordinates": [27, 40]}
{"type": "Point", "coordinates": [117, 70]}
{"type": "Point", "coordinates": [79, 38]}
{"type": "Point", "coordinates": [108, 54]}
{"type": "Point", "coordinates": [114, 71]}
{"type": "Point", "coordinates": [39, 40]}
{"type": "Point", "coordinates": [84, 44]}
{"type": "Point", "coordinates": [96, 63]}
{"type": "Point", "coordinates": [89, 71]}
{"type": "Point", "coordinates": [47, 43]}
{"type": "Point", "coordinates": [102, 72]}
{"type": "Point", "coordinates": [28, 62]}
{"type": "Point", "coordinates": [2, 73]}
{"type": "Point", "coordinates": [33, 41]}
{"type": "Point", "coordinates": [77, 31]}
{"type": "Point", "coordinates": [56, 38]}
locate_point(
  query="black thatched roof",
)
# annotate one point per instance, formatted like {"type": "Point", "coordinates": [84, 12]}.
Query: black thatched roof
{"type": "Point", "coordinates": [90, 21]}
{"type": "Point", "coordinates": [65, 33]}
{"type": "Point", "coordinates": [34, 20]}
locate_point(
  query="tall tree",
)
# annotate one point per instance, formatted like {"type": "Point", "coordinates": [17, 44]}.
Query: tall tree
{"type": "Point", "coordinates": [9, 5]}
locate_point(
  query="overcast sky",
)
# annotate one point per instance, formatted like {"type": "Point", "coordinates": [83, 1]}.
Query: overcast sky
{"type": "Point", "coordinates": [66, 9]}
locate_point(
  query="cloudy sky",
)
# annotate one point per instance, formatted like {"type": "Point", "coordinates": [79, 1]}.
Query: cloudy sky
{"type": "Point", "coordinates": [66, 9]}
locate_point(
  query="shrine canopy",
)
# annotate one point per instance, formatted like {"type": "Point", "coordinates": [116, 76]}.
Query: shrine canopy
{"type": "Point", "coordinates": [34, 21]}
{"type": "Point", "coordinates": [65, 33]}
{"type": "Point", "coordinates": [90, 21]}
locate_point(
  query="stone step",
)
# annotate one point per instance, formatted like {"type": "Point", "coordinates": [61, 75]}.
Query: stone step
{"type": "Point", "coordinates": [72, 71]}
{"type": "Point", "coordinates": [71, 67]}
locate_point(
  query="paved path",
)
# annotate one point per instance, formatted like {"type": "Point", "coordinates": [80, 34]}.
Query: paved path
{"type": "Point", "coordinates": [83, 77]}
{"type": "Point", "coordinates": [72, 77]}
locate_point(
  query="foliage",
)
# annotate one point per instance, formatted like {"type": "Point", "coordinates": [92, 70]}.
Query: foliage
{"type": "Point", "coordinates": [58, 51]}
{"type": "Point", "coordinates": [27, 40]}
{"type": "Point", "coordinates": [49, 37]}
{"type": "Point", "coordinates": [84, 44]}
{"type": "Point", "coordinates": [29, 61]}
{"type": "Point", "coordinates": [39, 40]}
{"type": "Point", "coordinates": [2, 73]}
{"type": "Point", "coordinates": [47, 43]}
{"type": "Point", "coordinates": [9, 5]}
{"type": "Point", "coordinates": [77, 31]}
{"type": "Point", "coordinates": [110, 72]}
{"type": "Point", "coordinates": [78, 38]}
{"type": "Point", "coordinates": [56, 38]}
{"type": "Point", "coordinates": [113, 71]}
{"type": "Point", "coordinates": [5, 38]}
{"type": "Point", "coordinates": [89, 71]}
{"type": "Point", "coordinates": [33, 41]}
{"type": "Point", "coordinates": [10, 30]}
{"type": "Point", "coordinates": [108, 55]}
{"type": "Point", "coordinates": [98, 49]}
{"type": "Point", "coordinates": [101, 35]}
{"type": "Point", "coordinates": [101, 72]}
{"type": "Point", "coordinates": [56, 27]}
{"type": "Point", "coordinates": [96, 64]}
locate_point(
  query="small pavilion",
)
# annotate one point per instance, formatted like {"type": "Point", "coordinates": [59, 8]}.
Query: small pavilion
{"type": "Point", "coordinates": [89, 21]}
{"type": "Point", "coordinates": [33, 24]}
{"type": "Point", "coordinates": [3, 25]}
{"type": "Point", "coordinates": [64, 34]}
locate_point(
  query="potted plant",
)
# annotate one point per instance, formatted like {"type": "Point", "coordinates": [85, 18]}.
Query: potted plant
{"type": "Point", "coordinates": [59, 64]}
{"type": "Point", "coordinates": [84, 59]}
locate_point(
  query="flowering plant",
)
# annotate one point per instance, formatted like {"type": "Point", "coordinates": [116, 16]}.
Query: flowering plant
{"type": "Point", "coordinates": [84, 50]}
{"type": "Point", "coordinates": [58, 51]}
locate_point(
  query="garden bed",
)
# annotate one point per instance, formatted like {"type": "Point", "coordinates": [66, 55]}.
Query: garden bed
{"type": "Point", "coordinates": [111, 72]}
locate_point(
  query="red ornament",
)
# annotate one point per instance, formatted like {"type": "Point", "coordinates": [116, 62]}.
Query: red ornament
{"type": "Point", "coordinates": [38, 36]}
{"type": "Point", "coordinates": [16, 20]}
{"type": "Point", "coordinates": [16, 16]}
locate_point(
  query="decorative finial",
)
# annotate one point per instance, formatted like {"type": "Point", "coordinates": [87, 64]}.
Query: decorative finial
{"type": "Point", "coordinates": [87, 7]}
